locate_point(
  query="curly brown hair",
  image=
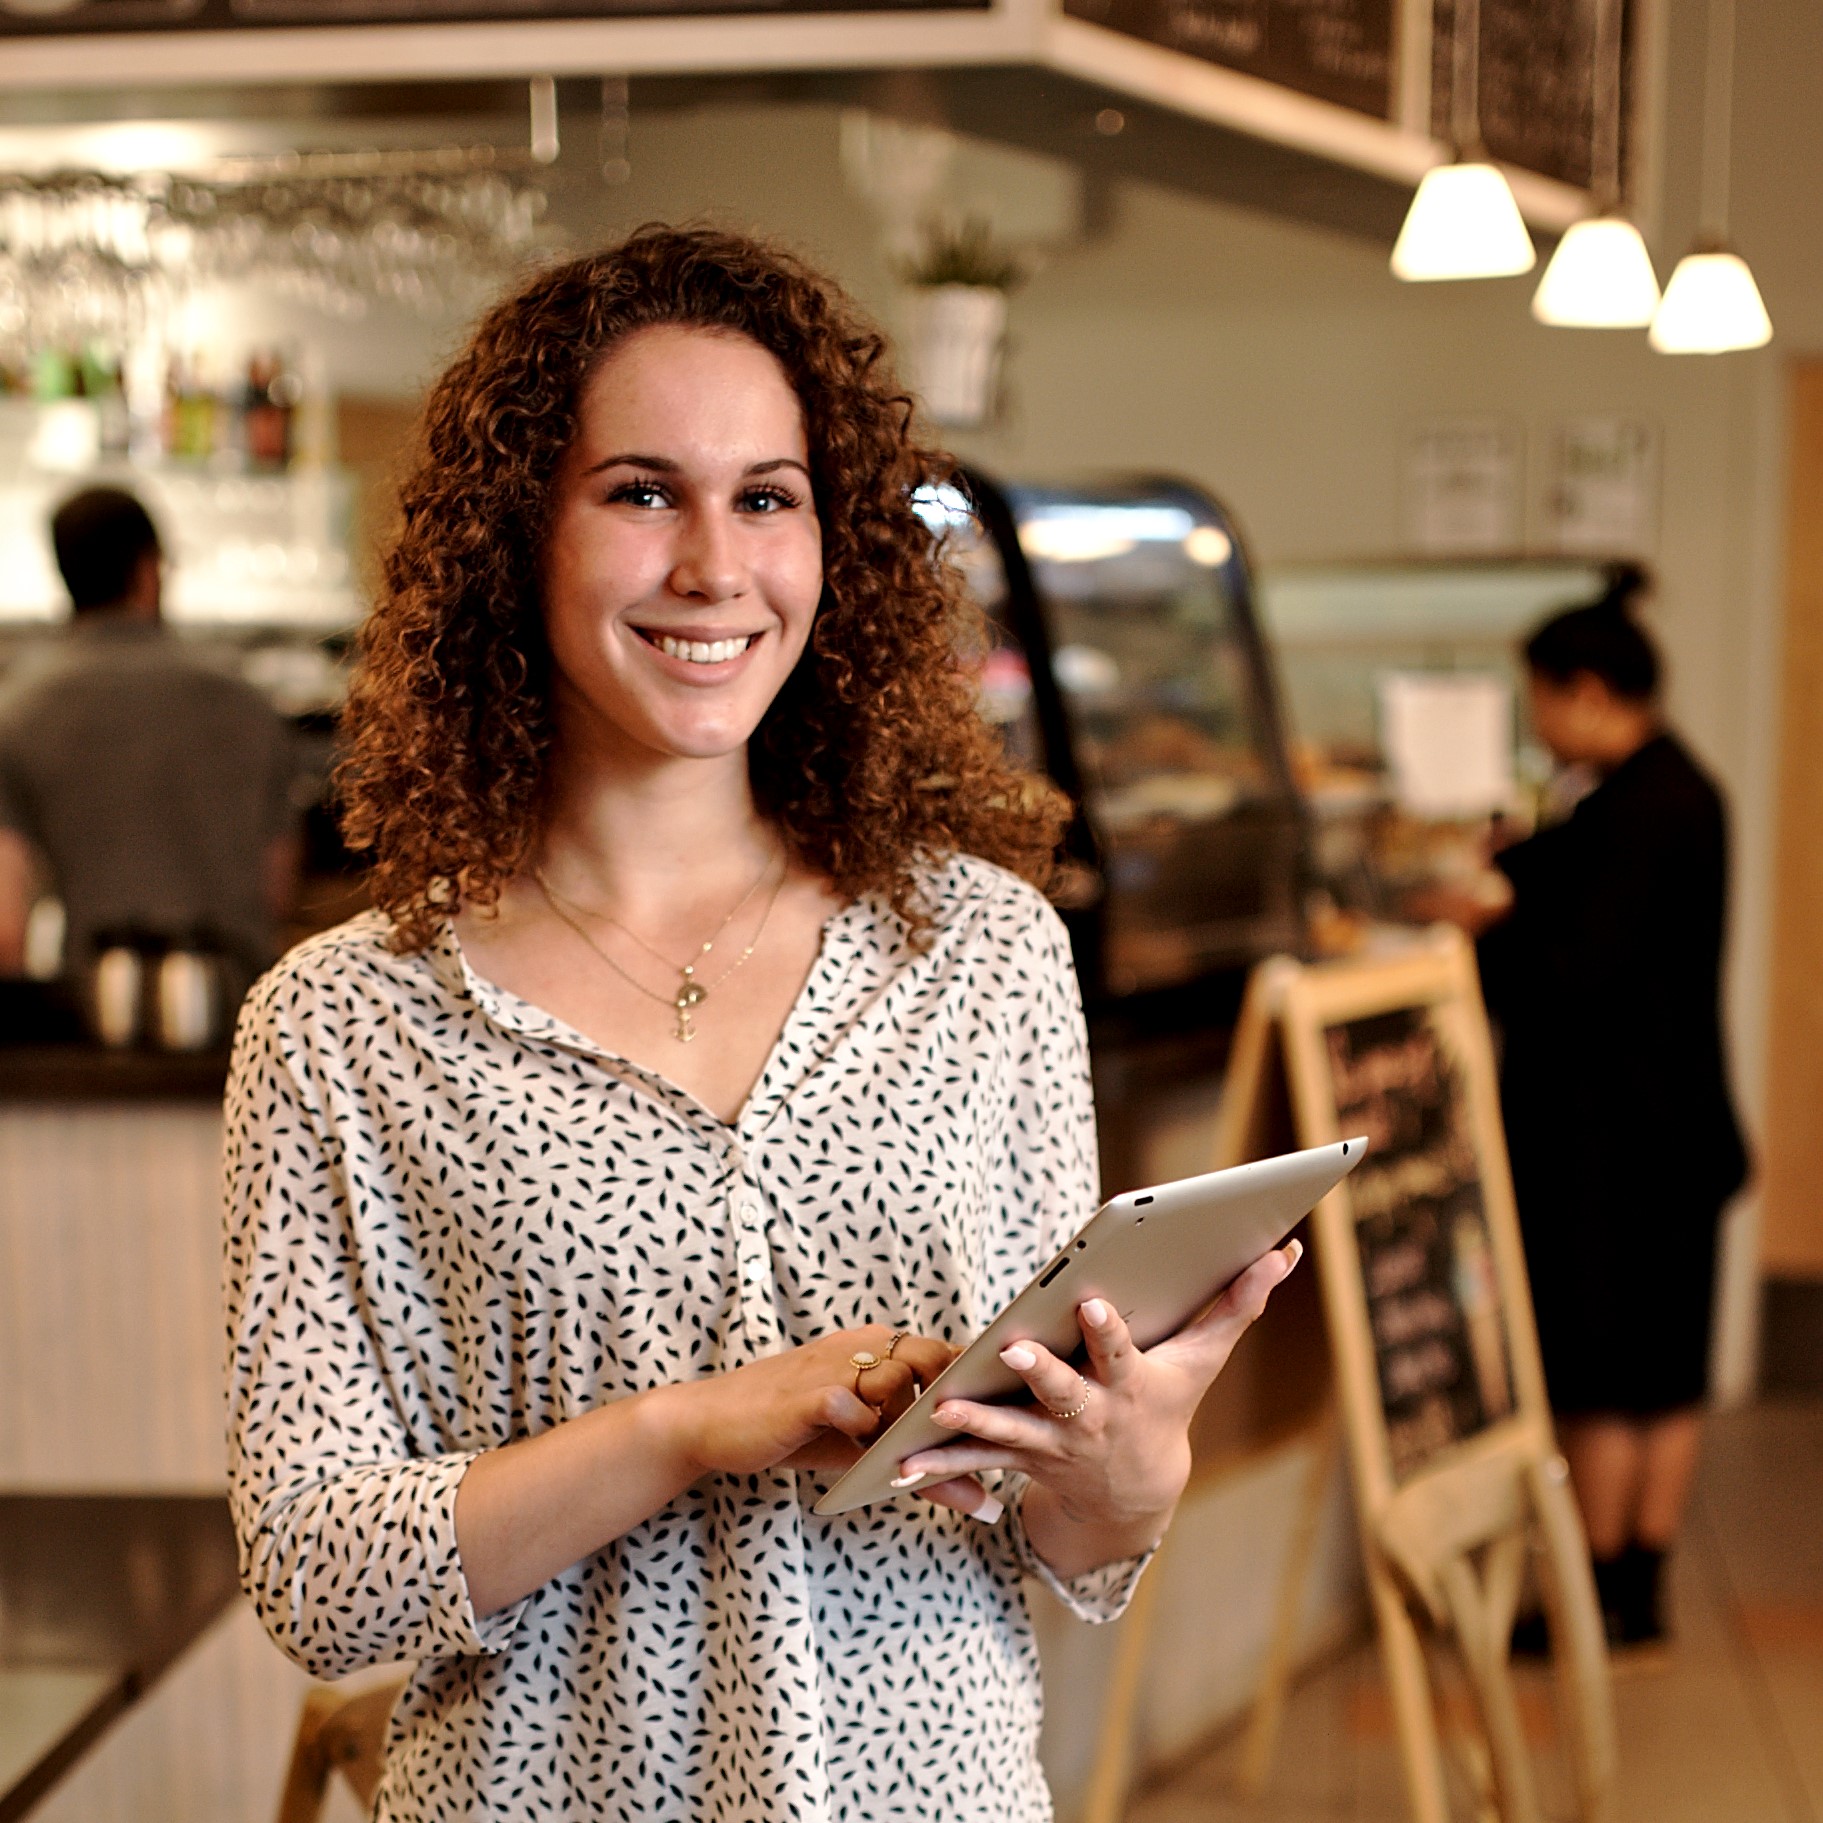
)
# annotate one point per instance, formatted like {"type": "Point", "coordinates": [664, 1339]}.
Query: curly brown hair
{"type": "Point", "coordinates": [873, 760]}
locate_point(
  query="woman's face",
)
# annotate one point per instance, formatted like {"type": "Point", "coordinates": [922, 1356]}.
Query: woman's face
{"type": "Point", "coordinates": [685, 560]}
{"type": "Point", "coordinates": [1572, 717]}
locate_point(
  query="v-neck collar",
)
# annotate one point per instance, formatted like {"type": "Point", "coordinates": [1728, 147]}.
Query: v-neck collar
{"type": "Point", "coordinates": [809, 1034]}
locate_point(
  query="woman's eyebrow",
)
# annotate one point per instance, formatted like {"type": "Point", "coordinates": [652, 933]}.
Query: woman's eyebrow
{"type": "Point", "coordinates": [665, 466]}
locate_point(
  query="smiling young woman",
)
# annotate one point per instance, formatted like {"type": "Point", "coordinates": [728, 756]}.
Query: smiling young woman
{"type": "Point", "coordinates": [708, 1068]}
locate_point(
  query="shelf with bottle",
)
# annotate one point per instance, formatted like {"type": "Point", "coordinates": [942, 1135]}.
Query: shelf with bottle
{"type": "Point", "coordinates": [249, 547]}
{"type": "Point", "coordinates": [173, 405]}
{"type": "Point", "coordinates": [250, 424]}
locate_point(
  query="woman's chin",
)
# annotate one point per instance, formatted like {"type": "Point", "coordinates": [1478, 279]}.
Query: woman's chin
{"type": "Point", "coordinates": [694, 740]}
{"type": "Point", "coordinates": [626, 735]}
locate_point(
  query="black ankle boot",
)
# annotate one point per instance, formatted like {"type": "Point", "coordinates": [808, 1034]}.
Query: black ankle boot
{"type": "Point", "coordinates": [1614, 1578]}
{"type": "Point", "coordinates": [1641, 1590]}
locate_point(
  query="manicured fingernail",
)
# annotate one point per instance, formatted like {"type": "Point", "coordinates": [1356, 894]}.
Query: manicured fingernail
{"type": "Point", "coordinates": [1095, 1313]}
{"type": "Point", "coordinates": [948, 1415]}
{"type": "Point", "coordinates": [911, 1480]}
{"type": "Point", "coordinates": [1295, 1249]}
{"type": "Point", "coordinates": [987, 1509]}
{"type": "Point", "coordinates": [1018, 1357]}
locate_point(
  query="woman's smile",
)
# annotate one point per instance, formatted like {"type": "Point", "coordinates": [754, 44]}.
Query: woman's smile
{"type": "Point", "coordinates": [702, 652]}
{"type": "Point", "coordinates": [698, 655]}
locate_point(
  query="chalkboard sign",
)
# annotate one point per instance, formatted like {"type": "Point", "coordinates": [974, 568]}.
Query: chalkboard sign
{"type": "Point", "coordinates": [1458, 1483]}
{"type": "Point", "coordinates": [1537, 86]}
{"type": "Point", "coordinates": [1337, 50]}
{"type": "Point", "coordinates": [1424, 1273]}
{"type": "Point", "coordinates": [1427, 1268]}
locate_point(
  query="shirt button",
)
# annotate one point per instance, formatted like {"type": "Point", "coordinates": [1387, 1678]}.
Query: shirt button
{"type": "Point", "coordinates": [751, 1213]}
{"type": "Point", "coordinates": [755, 1272]}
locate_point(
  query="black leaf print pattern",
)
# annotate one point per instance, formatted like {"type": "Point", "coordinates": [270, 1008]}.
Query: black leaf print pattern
{"type": "Point", "coordinates": [453, 1221]}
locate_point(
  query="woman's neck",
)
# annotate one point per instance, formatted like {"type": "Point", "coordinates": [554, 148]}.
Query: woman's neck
{"type": "Point", "coordinates": [1631, 728]}
{"type": "Point", "coordinates": [653, 843]}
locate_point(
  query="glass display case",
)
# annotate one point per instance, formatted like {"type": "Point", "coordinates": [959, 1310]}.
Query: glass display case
{"type": "Point", "coordinates": [1347, 638]}
{"type": "Point", "coordinates": [1132, 671]}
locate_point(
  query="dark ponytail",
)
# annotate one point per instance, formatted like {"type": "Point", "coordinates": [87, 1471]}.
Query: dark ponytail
{"type": "Point", "coordinates": [1603, 639]}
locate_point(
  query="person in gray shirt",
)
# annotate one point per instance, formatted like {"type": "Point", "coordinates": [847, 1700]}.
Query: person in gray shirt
{"type": "Point", "coordinates": [152, 792]}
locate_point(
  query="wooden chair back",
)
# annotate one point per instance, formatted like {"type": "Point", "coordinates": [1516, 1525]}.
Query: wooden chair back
{"type": "Point", "coordinates": [338, 1731]}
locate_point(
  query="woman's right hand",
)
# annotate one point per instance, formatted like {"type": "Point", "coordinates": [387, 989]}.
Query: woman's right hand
{"type": "Point", "coordinates": [801, 1409]}
{"type": "Point", "coordinates": [530, 1509]}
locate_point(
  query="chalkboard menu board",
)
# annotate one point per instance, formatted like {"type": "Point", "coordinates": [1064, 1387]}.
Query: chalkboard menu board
{"type": "Point", "coordinates": [1427, 1265]}
{"type": "Point", "coordinates": [1457, 1478]}
{"type": "Point", "coordinates": [1337, 50]}
{"type": "Point", "coordinates": [1536, 92]}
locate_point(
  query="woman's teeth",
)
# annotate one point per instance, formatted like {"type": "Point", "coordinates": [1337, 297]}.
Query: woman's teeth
{"type": "Point", "coordinates": [704, 652]}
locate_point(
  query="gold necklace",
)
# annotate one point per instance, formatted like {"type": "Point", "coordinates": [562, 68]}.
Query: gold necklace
{"type": "Point", "coordinates": [690, 993]}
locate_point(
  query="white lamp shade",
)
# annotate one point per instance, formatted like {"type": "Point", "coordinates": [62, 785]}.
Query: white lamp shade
{"type": "Point", "coordinates": [1600, 277]}
{"type": "Point", "coordinates": [1710, 306]}
{"type": "Point", "coordinates": [1463, 224]}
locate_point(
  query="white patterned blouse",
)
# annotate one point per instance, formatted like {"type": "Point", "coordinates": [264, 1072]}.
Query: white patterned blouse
{"type": "Point", "coordinates": [454, 1221]}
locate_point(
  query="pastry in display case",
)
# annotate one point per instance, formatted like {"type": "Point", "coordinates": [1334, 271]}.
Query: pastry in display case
{"type": "Point", "coordinates": [1131, 669]}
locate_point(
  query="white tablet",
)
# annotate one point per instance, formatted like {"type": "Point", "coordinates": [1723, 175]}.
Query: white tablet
{"type": "Point", "coordinates": [1158, 1256]}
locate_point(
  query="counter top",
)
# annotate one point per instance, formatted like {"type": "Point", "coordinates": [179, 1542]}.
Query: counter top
{"type": "Point", "coordinates": [85, 1072]}
{"type": "Point", "coordinates": [99, 1594]}
{"type": "Point", "coordinates": [46, 1055]}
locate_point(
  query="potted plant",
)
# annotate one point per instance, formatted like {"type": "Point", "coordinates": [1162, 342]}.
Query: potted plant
{"type": "Point", "coordinates": [962, 277]}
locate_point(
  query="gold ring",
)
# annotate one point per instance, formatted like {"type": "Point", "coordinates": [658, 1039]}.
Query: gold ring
{"type": "Point", "coordinates": [893, 1341]}
{"type": "Point", "coordinates": [861, 1361]}
{"type": "Point", "coordinates": [1081, 1405]}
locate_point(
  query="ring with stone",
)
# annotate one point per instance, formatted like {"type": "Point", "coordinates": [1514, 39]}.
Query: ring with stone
{"type": "Point", "coordinates": [862, 1360]}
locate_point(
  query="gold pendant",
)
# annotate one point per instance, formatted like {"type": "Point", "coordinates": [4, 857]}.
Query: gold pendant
{"type": "Point", "coordinates": [690, 995]}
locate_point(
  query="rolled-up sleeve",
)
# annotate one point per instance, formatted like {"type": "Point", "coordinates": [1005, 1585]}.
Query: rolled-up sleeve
{"type": "Point", "coordinates": [347, 1534]}
{"type": "Point", "coordinates": [1055, 1116]}
{"type": "Point", "coordinates": [1097, 1595]}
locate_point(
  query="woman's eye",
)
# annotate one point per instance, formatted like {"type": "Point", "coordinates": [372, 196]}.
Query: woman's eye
{"type": "Point", "coordinates": [641, 494]}
{"type": "Point", "coordinates": [768, 499]}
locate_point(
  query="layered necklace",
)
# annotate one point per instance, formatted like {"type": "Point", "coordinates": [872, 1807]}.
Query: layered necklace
{"type": "Point", "coordinates": [689, 993]}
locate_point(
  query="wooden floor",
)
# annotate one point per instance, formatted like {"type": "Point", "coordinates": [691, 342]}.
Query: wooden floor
{"type": "Point", "coordinates": [1729, 1731]}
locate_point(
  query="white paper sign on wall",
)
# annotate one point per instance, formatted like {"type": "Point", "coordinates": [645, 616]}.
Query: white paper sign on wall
{"type": "Point", "coordinates": [1448, 740]}
{"type": "Point", "coordinates": [1603, 494]}
{"type": "Point", "coordinates": [1464, 481]}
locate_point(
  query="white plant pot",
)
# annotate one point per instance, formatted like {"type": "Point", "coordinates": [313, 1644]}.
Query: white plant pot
{"type": "Point", "coordinates": [960, 330]}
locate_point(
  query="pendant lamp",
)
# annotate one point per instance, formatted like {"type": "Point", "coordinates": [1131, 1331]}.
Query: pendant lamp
{"type": "Point", "coordinates": [1463, 222]}
{"type": "Point", "coordinates": [1601, 275]}
{"type": "Point", "coordinates": [1712, 305]}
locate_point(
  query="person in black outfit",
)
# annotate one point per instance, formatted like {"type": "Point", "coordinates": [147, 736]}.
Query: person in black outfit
{"type": "Point", "coordinates": [1604, 974]}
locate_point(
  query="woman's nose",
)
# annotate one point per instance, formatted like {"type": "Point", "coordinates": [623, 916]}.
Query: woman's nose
{"type": "Point", "coordinates": [709, 565]}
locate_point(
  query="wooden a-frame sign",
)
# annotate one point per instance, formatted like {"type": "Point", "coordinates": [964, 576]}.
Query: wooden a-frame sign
{"type": "Point", "coordinates": [1457, 1478]}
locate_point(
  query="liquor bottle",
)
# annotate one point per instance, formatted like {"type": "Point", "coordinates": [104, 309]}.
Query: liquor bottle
{"type": "Point", "coordinates": [107, 386]}
{"type": "Point", "coordinates": [271, 397]}
{"type": "Point", "coordinates": [189, 414]}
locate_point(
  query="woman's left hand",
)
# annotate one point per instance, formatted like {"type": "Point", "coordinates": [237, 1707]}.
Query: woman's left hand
{"type": "Point", "coordinates": [1119, 1463]}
